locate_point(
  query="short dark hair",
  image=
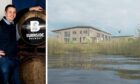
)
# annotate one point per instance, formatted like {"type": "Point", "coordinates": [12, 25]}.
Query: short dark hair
{"type": "Point", "coordinates": [9, 5]}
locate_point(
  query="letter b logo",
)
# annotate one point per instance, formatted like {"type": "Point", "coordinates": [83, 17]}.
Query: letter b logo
{"type": "Point", "coordinates": [34, 25]}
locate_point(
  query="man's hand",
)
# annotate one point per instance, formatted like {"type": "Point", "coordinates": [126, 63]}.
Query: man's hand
{"type": "Point", "coordinates": [2, 53]}
{"type": "Point", "coordinates": [36, 8]}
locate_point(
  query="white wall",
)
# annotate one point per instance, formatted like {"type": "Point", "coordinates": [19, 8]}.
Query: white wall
{"type": "Point", "coordinates": [3, 3]}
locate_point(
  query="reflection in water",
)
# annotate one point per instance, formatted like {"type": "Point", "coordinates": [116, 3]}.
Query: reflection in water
{"type": "Point", "coordinates": [129, 74]}
{"type": "Point", "coordinates": [123, 67]}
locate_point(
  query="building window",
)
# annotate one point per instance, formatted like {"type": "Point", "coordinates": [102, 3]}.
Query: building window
{"type": "Point", "coordinates": [67, 40]}
{"type": "Point", "coordinates": [103, 36]}
{"type": "Point", "coordinates": [98, 34]}
{"type": "Point", "coordinates": [74, 39]}
{"type": "Point", "coordinates": [66, 34]}
{"type": "Point", "coordinates": [84, 38]}
{"type": "Point", "coordinates": [85, 32]}
{"type": "Point", "coordinates": [106, 37]}
{"type": "Point", "coordinates": [80, 31]}
{"type": "Point", "coordinates": [74, 32]}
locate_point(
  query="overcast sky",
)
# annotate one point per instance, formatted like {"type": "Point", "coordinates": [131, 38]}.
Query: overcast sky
{"type": "Point", "coordinates": [108, 15]}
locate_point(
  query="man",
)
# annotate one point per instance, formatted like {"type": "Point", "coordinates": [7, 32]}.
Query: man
{"type": "Point", "coordinates": [9, 63]}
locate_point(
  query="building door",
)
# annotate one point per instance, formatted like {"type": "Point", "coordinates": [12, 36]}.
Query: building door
{"type": "Point", "coordinates": [80, 39]}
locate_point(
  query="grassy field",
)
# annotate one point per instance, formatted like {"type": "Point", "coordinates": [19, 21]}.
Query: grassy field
{"type": "Point", "coordinates": [116, 46]}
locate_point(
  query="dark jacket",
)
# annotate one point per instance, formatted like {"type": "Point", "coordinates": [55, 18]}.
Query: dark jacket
{"type": "Point", "coordinates": [8, 41]}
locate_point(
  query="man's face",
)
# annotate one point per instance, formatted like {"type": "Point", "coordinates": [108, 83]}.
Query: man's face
{"type": "Point", "coordinates": [10, 14]}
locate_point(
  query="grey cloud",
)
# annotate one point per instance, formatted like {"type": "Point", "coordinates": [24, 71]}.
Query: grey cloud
{"type": "Point", "coordinates": [106, 14]}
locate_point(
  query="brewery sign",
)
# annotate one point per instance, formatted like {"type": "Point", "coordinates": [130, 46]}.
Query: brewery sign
{"type": "Point", "coordinates": [32, 28]}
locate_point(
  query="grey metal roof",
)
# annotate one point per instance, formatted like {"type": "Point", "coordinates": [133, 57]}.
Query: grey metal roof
{"type": "Point", "coordinates": [80, 27]}
{"type": "Point", "coordinates": [122, 36]}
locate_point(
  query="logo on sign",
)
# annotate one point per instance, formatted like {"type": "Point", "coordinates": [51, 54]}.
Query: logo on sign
{"type": "Point", "coordinates": [34, 26]}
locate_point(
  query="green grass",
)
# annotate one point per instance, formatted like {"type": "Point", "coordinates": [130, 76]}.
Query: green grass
{"type": "Point", "coordinates": [116, 47]}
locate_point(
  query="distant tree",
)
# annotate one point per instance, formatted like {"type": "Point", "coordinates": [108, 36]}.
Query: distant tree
{"type": "Point", "coordinates": [119, 31]}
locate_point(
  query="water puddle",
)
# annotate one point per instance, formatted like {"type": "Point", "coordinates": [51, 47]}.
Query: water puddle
{"type": "Point", "coordinates": [115, 67]}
